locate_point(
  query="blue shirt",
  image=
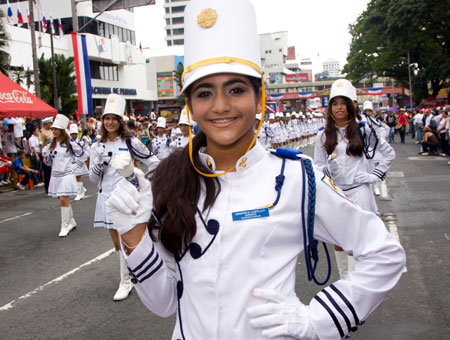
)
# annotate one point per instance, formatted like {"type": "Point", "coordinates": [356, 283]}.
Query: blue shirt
{"type": "Point", "coordinates": [17, 163]}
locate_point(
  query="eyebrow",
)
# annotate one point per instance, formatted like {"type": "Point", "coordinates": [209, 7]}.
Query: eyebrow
{"type": "Point", "coordinates": [228, 83]}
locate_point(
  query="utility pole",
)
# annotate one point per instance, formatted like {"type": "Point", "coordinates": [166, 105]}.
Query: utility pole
{"type": "Point", "coordinates": [37, 83]}
{"type": "Point", "coordinates": [409, 78]}
{"type": "Point", "coordinates": [74, 16]}
{"type": "Point", "coordinates": [55, 86]}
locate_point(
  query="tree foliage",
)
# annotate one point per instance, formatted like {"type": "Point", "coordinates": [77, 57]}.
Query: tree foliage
{"type": "Point", "coordinates": [65, 82]}
{"type": "Point", "coordinates": [388, 29]}
{"type": "Point", "coordinates": [4, 39]}
{"type": "Point", "coordinates": [178, 75]}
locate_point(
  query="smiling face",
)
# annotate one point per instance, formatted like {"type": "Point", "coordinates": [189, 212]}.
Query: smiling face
{"type": "Point", "coordinates": [339, 109]}
{"type": "Point", "coordinates": [224, 106]}
{"type": "Point", "coordinates": [111, 123]}
{"type": "Point", "coordinates": [56, 133]}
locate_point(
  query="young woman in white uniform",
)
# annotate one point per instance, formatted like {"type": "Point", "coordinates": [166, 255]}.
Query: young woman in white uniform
{"type": "Point", "coordinates": [113, 140]}
{"type": "Point", "coordinates": [207, 254]}
{"type": "Point", "coordinates": [63, 184]}
{"type": "Point", "coordinates": [347, 158]}
{"type": "Point", "coordinates": [80, 160]}
{"type": "Point", "coordinates": [184, 125]}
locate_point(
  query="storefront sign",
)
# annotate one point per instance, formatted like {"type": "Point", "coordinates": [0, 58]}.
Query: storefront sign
{"type": "Point", "coordinates": [298, 77]}
{"type": "Point", "coordinates": [117, 90]}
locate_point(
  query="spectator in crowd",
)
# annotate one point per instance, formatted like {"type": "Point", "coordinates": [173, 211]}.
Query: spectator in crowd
{"type": "Point", "coordinates": [391, 122]}
{"type": "Point", "coordinates": [443, 133]}
{"type": "Point", "coordinates": [36, 156]}
{"type": "Point", "coordinates": [8, 139]}
{"type": "Point", "coordinates": [418, 124]}
{"type": "Point", "coordinates": [18, 129]}
{"type": "Point", "coordinates": [430, 142]}
{"type": "Point", "coordinates": [20, 168]}
{"type": "Point", "coordinates": [143, 135]}
{"type": "Point", "coordinates": [402, 124]}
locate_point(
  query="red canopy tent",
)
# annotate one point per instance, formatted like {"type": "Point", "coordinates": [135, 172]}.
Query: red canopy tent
{"type": "Point", "coordinates": [15, 101]}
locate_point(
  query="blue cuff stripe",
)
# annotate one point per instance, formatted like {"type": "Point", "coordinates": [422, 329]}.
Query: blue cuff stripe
{"type": "Point", "coordinates": [143, 271]}
{"type": "Point", "coordinates": [339, 309]}
{"type": "Point", "coordinates": [335, 320]}
{"type": "Point", "coordinates": [349, 305]}
{"type": "Point", "coordinates": [145, 260]}
{"type": "Point", "coordinates": [152, 272]}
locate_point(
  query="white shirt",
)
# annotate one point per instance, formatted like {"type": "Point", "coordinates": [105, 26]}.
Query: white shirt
{"type": "Point", "coordinates": [263, 252]}
{"type": "Point", "coordinates": [418, 119]}
{"type": "Point", "coordinates": [33, 141]}
{"type": "Point", "coordinates": [18, 127]}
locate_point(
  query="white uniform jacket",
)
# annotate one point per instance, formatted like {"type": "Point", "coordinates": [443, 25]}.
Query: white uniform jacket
{"type": "Point", "coordinates": [80, 158]}
{"type": "Point", "coordinates": [160, 146]}
{"type": "Point", "coordinates": [211, 292]}
{"type": "Point", "coordinates": [349, 165]}
{"type": "Point", "coordinates": [60, 159]}
{"type": "Point", "coordinates": [179, 142]}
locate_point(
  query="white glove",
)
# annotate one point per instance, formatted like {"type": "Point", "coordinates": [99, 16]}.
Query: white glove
{"type": "Point", "coordinates": [127, 206]}
{"type": "Point", "coordinates": [73, 166]}
{"type": "Point", "coordinates": [281, 316]}
{"type": "Point", "coordinates": [45, 152]}
{"type": "Point", "coordinates": [97, 154]}
{"type": "Point", "coordinates": [365, 177]}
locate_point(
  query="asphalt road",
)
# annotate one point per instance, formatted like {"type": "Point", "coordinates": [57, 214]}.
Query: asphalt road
{"type": "Point", "coordinates": [54, 288]}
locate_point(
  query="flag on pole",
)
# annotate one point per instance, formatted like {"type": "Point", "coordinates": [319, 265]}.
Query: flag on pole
{"type": "Point", "coordinates": [140, 47]}
{"type": "Point", "coordinates": [276, 96]}
{"type": "Point", "coordinates": [10, 14]}
{"type": "Point", "coordinates": [44, 22]}
{"type": "Point", "coordinates": [52, 25]}
{"type": "Point", "coordinates": [305, 95]}
{"type": "Point", "coordinates": [83, 74]}
{"type": "Point", "coordinates": [29, 17]}
{"type": "Point", "coordinates": [375, 91]}
{"type": "Point", "coordinates": [60, 28]}
{"type": "Point", "coordinates": [20, 21]}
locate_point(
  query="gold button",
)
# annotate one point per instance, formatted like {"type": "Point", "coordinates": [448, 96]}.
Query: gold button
{"type": "Point", "coordinates": [208, 163]}
{"type": "Point", "coordinates": [243, 163]}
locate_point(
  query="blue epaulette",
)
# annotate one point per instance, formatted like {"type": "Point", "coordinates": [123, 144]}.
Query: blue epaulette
{"type": "Point", "coordinates": [321, 128]}
{"type": "Point", "coordinates": [362, 123]}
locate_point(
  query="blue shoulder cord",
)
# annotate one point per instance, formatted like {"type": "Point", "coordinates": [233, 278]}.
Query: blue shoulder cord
{"type": "Point", "coordinates": [134, 152]}
{"type": "Point", "coordinates": [81, 146]}
{"type": "Point", "coordinates": [309, 243]}
{"type": "Point", "coordinates": [366, 140]}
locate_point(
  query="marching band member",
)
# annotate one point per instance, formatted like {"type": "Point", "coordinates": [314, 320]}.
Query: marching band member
{"type": "Point", "coordinates": [184, 125]}
{"type": "Point", "coordinates": [347, 158]}
{"type": "Point", "coordinates": [192, 236]}
{"type": "Point", "coordinates": [80, 160]}
{"type": "Point", "coordinates": [59, 154]}
{"type": "Point", "coordinates": [114, 140]}
{"type": "Point", "coordinates": [161, 142]}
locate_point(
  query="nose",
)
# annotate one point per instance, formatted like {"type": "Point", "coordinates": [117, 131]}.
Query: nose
{"type": "Point", "coordinates": [221, 103]}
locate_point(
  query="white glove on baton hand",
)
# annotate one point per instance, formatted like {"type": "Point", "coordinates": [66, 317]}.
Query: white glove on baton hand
{"type": "Point", "coordinates": [333, 167]}
{"type": "Point", "coordinates": [127, 206]}
{"type": "Point", "coordinates": [365, 177]}
{"type": "Point", "coordinates": [98, 154]}
{"type": "Point", "coordinates": [281, 316]}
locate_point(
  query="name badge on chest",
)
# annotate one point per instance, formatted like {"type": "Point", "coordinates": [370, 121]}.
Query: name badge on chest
{"type": "Point", "coordinates": [250, 214]}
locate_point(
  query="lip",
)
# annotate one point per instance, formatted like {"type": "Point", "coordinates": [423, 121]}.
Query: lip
{"type": "Point", "coordinates": [223, 122]}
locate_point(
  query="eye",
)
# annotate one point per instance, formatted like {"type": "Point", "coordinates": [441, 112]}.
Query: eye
{"type": "Point", "coordinates": [202, 93]}
{"type": "Point", "coordinates": [237, 90]}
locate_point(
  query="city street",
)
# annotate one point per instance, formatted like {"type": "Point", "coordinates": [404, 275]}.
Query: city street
{"type": "Point", "coordinates": [54, 288]}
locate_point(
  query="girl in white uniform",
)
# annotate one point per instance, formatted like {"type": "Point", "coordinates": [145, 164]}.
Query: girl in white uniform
{"type": "Point", "coordinates": [63, 184]}
{"type": "Point", "coordinates": [80, 160]}
{"type": "Point", "coordinates": [226, 268]}
{"type": "Point", "coordinates": [161, 142]}
{"type": "Point", "coordinates": [113, 141]}
{"type": "Point", "coordinates": [347, 158]}
{"type": "Point", "coordinates": [184, 125]}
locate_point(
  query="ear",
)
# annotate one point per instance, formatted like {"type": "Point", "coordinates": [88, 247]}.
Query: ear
{"type": "Point", "coordinates": [259, 105]}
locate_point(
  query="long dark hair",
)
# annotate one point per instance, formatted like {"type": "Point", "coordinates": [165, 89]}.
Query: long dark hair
{"type": "Point", "coordinates": [122, 132]}
{"type": "Point", "coordinates": [65, 140]}
{"type": "Point", "coordinates": [176, 188]}
{"type": "Point", "coordinates": [355, 145]}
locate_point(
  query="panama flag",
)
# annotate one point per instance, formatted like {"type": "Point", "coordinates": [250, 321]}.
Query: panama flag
{"type": "Point", "coordinates": [60, 28]}
{"type": "Point", "coordinates": [10, 14]}
{"type": "Point", "coordinates": [276, 96]}
{"type": "Point", "coordinates": [375, 91]}
{"type": "Point", "coordinates": [305, 95]}
{"type": "Point", "coordinates": [44, 22]}
{"type": "Point", "coordinates": [83, 74]}
{"type": "Point", "coordinates": [20, 21]}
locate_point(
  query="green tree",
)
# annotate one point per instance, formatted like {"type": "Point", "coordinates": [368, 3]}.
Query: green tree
{"type": "Point", "coordinates": [384, 34]}
{"type": "Point", "coordinates": [178, 75]}
{"type": "Point", "coordinates": [4, 39]}
{"type": "Point", "coordinates": [65, 82]}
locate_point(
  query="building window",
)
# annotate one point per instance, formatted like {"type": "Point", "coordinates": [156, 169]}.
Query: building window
{"type": "Point", "coordinates": [178, 42]}
{"type": "Point", "coordinates": [178, 31]}
{"type": "Point", "coordinates": [167, 21]}
{"type": "Point", "coordinates": [176, 21]}
{"type": "Point", "coordinates": [178, 9]}
{"type": "Point", "coordinates": [169, 42]}
{"type": "Point", "coordinates": [167, 10]}
{"type": "Point", "coordinates": [168, 33]}
{"type": "Point", "coordinates": [104, 71]}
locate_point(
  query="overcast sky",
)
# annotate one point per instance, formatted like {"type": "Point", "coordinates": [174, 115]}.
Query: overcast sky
{"type": "Point", "coordinates": [318, 29]}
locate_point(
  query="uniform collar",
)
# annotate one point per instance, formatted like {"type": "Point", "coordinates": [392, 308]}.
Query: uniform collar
{"type": "Point", "coordinates": [246, 161]}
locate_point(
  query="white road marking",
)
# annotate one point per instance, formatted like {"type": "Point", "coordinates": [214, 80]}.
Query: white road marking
{"type": "Point", "coordinates": [428, 158]}
{"type": "Point", "coordinates": [394, 232]}
{"type": "Point", "coordinates": [15, 217]}
{"type": "Point", "coordinates": [384, 191]}
{"type": "Point", "coordinates": [11, 304]}
{"type": "Point", "coordinates": [395, 174]}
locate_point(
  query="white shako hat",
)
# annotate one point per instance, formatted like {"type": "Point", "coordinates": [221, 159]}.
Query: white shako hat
{"type": "Point", "coordinates": [220, 37]}
{"type": "Point", "coordinates": [272, 115]}
{"type": "Point", "coordinates": [47, 120]}
{"type": "Point", "coordinates": [367, 105]}
{"type": "Point", "coordinates": [115, 104]}
{"type": "Point", "coordinates": [343, 88]}
{"type": "Point", "coordinates": [161, 122]}
{"type": "Point", "coordinates": [355, 96]}
{"type": "Point", "coordinates": [258, 116]}
{"type": "Point", "coordinates": [184, 118]}
{"type": "Point", "coordinates": [61, 122]}
{"type": "Point", "coordinates": [288, 115]}
{"type": "Point", "coordinates": [73, 128]}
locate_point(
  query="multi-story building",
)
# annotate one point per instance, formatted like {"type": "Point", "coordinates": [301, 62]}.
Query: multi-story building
{"type": "Point", "coordinates": [332, 67]}
{"type": "Point", "coordinates": [174, 17]}
{"type": "Point", "coordinates": [116, 64]}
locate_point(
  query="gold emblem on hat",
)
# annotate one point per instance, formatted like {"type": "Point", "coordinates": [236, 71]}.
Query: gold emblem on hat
{"type": "Point", "coordinates": [340, 84]}
{"type": "Point", "coordinates": [207, 18]}
{"type": "Point", "coordinates": [111, 100]}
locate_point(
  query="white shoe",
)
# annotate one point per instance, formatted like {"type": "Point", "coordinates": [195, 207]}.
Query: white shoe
{"type": "Point", "coordinates": [39, 185]}
{"type": "Point", "coordinates": [65, 216]}
{"type": "Point", "coordinates": [425, 153]}
{"type": "Point", "coordinates": [4, 182]}
{"type": "Point", "coordinates": [125, 285]}
{"type": "Point", "coordinates": [448, 162]}
{"type": "Point", "coordinates": [20, 187]}
{"type": "Point", "coordinates": [72, 223]}
{"type": "Point", "coordinates": [80, 190]}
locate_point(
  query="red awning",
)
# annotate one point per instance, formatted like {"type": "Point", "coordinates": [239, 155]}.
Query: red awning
{"type": "Point", "coordinates": [16, 101]}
